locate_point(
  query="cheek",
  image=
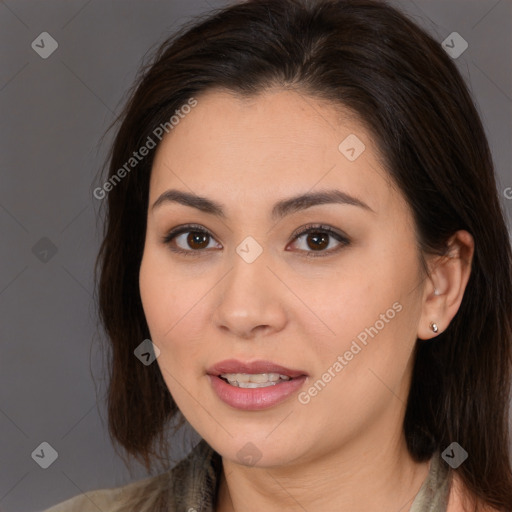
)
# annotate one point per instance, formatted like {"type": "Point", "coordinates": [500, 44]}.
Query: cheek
{"type": "Point", "coordinates": [166, 296]}
{"type": "Point", "coordinates": [174, 312]}
{"type": "Point", "coordinates": [156, 296]}
{"type": "Point", "coordinates": [365, 287]}
{"type": "Point", "coordinates": [165, 305]}
{"type": "Point", "coordinates": [364, 372]}
{"type": "Point", "coordinates": [372, 310]}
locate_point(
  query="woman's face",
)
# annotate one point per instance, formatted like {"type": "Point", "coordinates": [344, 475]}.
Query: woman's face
{"type": "Point", "coordinates": [344, 319]}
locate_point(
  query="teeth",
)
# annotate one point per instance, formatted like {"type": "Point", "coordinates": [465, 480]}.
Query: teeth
{"type": "Point", "coordinates": [253, 384]}
{"type": "Point", "coordinates": [254, 380]}
{"type": "Point", "coordinates": [258, 377]}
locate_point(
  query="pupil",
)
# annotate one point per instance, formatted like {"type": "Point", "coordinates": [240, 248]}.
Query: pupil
{"type": "Point", "coordinates": [316, 236]}
{"type": "Point", "coordinates": [320, 240]}
{"type": "Point", "coordinates": [191, 239]}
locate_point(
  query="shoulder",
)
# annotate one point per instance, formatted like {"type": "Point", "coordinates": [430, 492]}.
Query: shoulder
{"type": "Point", "coordinates": [111, 499]}
{"type": "Point", "coordinates": [191, 482]}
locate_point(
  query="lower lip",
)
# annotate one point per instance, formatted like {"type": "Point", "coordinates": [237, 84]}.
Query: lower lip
{"type": "Point", "coordinates": [255, 399]}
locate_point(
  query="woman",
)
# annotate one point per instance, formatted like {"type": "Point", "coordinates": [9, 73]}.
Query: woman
{"type": "Point", "coordinates": [303, 229]}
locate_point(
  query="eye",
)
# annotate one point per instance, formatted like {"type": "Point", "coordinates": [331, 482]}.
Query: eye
{"type": "Point", "coordinates": [197, 240]}
{"type": "Point", "coordinates": [318, 239]}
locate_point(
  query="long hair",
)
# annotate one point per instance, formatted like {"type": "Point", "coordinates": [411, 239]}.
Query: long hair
{"type": "Point", "coordinates": [368, 57]}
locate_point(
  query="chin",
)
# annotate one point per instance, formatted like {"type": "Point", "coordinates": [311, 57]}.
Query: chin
{"type": "Point", "coordinates": [256, 451]}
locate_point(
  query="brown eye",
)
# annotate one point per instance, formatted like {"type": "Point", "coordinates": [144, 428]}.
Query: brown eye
{"type": "Point", "coordinates": [194, 240]}
{"type": "Point", "coordinates": [318, 240]}
{"type": "Point", "coordinates": [190, 240]}
{"type": "Point", "coordinates": [197, 240]}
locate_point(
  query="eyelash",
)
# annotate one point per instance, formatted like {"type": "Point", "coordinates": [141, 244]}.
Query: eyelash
{"type": "Point", "coordinates": [310, 228]}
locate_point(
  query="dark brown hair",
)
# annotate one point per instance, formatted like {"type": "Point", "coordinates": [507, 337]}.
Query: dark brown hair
{"type": "Point", "coordinates": [369, 58]}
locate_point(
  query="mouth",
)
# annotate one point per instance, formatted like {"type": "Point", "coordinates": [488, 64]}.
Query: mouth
{"type": "Point", "coordinates": [256, 372]}
{"type": "Point", "coordinates": [253, 380]}
{"type": "Point", "coordinates": [256, 385]}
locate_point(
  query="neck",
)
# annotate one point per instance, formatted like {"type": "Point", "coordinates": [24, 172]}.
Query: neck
{"type": "Point", "coordinates": [355, 479]}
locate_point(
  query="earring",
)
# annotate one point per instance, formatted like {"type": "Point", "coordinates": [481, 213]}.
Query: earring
{"type": "Point", "coordinates": [434, 327]}
{"type": "Point", "coordinates": [436, 291]}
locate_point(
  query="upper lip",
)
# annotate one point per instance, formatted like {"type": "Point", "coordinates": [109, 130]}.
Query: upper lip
{"type": "Point", "coordinates": [235, 366]}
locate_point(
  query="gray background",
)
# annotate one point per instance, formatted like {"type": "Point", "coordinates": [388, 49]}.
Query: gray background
{"type": "Point", "coordinates": [53, 113]}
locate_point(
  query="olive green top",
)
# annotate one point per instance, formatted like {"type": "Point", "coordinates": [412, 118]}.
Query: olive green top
{"type": "Point", "coordinates": [192, 486]}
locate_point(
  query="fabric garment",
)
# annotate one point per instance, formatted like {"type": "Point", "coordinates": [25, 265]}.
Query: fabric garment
{"type": "Point", "coordinates": [192, 486]}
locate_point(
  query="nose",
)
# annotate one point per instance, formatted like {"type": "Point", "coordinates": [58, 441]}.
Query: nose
{"type": "Point", "coordinates": [250, 300]}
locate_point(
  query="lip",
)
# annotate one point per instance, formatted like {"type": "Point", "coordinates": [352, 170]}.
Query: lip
{"type": "Point", "coordinates": [254, 399]}
{"type": "Point", "coordinates": [235, 366]}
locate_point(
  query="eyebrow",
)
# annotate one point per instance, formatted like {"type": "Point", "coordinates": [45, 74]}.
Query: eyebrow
{"type": "Point", "coordinates": [280, 209]}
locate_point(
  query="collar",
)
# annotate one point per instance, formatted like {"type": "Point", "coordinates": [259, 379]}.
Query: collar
{"type": "Point", "coordinates": [195, 482]}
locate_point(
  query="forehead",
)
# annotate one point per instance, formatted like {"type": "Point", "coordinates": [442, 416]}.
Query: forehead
{"type": "Point", "coordinates": [274, 143]}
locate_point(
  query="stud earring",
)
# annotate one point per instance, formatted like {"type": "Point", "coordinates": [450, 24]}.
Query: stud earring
{"type": "Point", "coordinates": [436, 291]}
{"type": "Point", "coordinates": [434, 327]}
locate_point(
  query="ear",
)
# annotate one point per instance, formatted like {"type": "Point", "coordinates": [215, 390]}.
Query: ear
{"type": "Point", "coordinates": [445, 285]}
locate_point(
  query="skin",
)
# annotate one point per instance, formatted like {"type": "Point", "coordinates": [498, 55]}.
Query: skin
{"type": "Point", "coordinates": [344, 450]}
